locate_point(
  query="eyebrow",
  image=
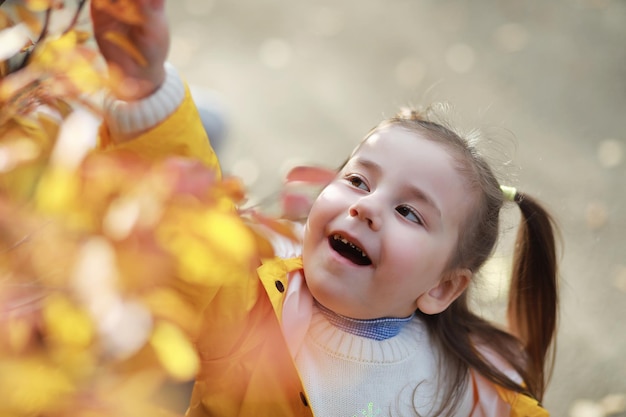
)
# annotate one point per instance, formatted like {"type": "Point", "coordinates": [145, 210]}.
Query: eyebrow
{"type": "Point", "coordinates": [416, 192]}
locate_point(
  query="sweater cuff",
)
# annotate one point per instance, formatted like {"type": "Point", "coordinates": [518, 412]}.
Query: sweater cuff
{"type": "Point", "coordinates": [126, 119]}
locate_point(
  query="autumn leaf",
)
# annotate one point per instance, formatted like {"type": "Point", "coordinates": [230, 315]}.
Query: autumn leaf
{"type": "Point", "coordinates": [189, 177]}
{"type": "Point", "coordinates": [66, 323]}
{"type": "Point", "coordinates": [310, 175]}
{"type": "Point", "coordinates": [57, 191]}
{"type": "Point", "coordinates": [112, 253]}
{"type": "Point", "coordinates": [29, 18]}
{"type": "Point", "coordinates": [295, 206]}
{"type": "Point", "coordinates": [274, 224]}
{"type": "Point", "coordinates": [174, 351]}
{"type": "Point", "coordinates": [5, 20]}
{"type": "Point", "coordinates": [165, 303]}
{"type": "Point", "coordinates": [24, 394]}
{"type": "Point", "coordinates": [42, 5]}
{"type": "Point", "coordinates": [302, 184]}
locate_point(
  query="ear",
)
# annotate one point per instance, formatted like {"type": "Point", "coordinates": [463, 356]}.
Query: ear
{"type": "Point", "coordinates": [449, 288]}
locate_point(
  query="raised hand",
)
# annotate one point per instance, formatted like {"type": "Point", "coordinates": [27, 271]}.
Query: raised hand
{"type": "Point", "coordinates": [133, 37]}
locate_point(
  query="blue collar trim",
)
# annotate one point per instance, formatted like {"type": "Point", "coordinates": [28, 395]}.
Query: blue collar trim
{"type": "Point", "coordinates": [376, 329]}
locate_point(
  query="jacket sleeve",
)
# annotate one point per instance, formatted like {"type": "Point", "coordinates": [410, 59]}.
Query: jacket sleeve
{"type": "Point", "coordinates": [162, 125]}
{"type": "Point", "coordinates": [491, 400]}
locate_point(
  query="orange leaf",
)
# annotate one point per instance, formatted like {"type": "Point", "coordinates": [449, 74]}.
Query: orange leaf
{"type": "Point", "coordinates": [29, 18]}
{"type": "Point", "coordinates": [232, 188]}
{"type": "Point", "coordinates": [295, 206]}
{"type": "Point", "coordinates": [5, 20]}
{"type": "Point", "coordinates": [275, 225]}
{"type": "Point", "coordinates": [311, 175]}
{"type": "Point", "coordinates": [122, 41]}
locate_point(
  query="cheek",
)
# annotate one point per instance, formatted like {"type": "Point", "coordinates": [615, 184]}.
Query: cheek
{"type": "Point", "coordinates": [315, 225]}
{"type": "Point", "coordinates": [420, 255]}
{"type": "Point", "coordinates": [313, 221]}
{"type": "Point", "coordinates": [324, 207]}
{"type": "Point", "coordinates": [332, 193]}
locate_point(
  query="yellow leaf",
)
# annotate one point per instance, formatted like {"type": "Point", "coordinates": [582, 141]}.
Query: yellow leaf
{"type": "Point", "coordinates": [17, 152]}
{"type": "Point", "coordinates": [54, 52]}
{"type": "Point", "coordinates": [39, 5]}
{"type": "Point", "coordinates": [168, 304]}
{"type": "Point", "coordinates": [57, 190]}
{"type": "Point", "coordinates": [209, 245]}
{"type": "Point", "coordinates": [19, 333]}
{"type": "Point", "coordinates": [227, 232]}
{"type": "Point", "coordinates": [175, 351]}
{"type": "Point", "coordinates": [196, 262]}
{"type": "Point", "coordinates": [127, 46]}
{"type": "Point", "coordinates": [82, 36]}
{"type": "Point", "coordinates": [29, 386]}
{"type": "Point", "coordinates": [66, 324]}
{"type": "Point", "coordinates": [84, 77]}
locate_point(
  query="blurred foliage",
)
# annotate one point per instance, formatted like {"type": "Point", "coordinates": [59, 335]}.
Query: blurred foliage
{"type": "Point", "coordinates": [104, 257]}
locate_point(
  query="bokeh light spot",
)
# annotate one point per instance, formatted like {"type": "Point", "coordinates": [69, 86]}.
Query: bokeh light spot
{"type": "Point", "coordinates": [326, 22]}
{"type": "Point", "coordinates": [460, 58]}
{"type": "Point", "coordinates": [610, 153]}
{"type": "Point", "coordinates": [410, 72]}
{"type": "Point", "coordinates": [511, 37]}
{"type": "Point", "coordinates": [275, 53]}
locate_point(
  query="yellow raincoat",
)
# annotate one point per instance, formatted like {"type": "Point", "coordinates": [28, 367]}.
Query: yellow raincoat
{"type": "Point", "coordinates": [246, 366]}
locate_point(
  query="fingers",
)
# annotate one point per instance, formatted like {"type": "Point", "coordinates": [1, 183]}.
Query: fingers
{"type": "Point", "coordinates": [131, 12]}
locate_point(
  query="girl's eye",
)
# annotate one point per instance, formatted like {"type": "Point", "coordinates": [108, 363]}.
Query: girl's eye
{"type": "Point", "coordinates": [357, 182]}
{"type": "Point", "coordinates": [409, 214]}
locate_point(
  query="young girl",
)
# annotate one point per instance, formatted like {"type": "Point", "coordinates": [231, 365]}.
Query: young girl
{"type": "Point", "coordinates": [369, 315]}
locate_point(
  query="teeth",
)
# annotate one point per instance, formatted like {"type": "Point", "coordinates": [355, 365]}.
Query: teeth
{"type": "Point", "coordinates": [346, 242]}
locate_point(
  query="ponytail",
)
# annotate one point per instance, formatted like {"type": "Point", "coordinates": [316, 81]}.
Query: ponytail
{"type": "Point", "coordinates": [533, 296]}
{"type": "Point", "coordinates": [469, 341]}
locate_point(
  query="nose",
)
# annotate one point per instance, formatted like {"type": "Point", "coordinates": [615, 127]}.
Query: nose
{"type": "Point", "coordinates": [367, 210]}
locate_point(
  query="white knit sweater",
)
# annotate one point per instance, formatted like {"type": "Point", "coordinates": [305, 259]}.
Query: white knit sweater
{"type": "Point", "coordinates": [348, 376]}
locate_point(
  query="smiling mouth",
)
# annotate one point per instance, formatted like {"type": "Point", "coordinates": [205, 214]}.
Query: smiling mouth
{"type": "Point", "coordinates": [349, 250]}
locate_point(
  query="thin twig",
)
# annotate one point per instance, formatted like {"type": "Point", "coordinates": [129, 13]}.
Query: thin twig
{"type": "Point", "coordinates": [42, 35]}
{"type": "Point", "coordinates": [81, 4]}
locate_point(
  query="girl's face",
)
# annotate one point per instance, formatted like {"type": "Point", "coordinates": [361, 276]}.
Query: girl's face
{"type": "Point", "coordinates": [379, 236]}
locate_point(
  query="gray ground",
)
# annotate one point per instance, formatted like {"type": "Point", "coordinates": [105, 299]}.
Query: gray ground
{"type": "Point", "coordinates": [302, 81]}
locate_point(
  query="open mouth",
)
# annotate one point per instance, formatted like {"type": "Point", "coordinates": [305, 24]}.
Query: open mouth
{"type": "Point", "coordinates": [349, 250]}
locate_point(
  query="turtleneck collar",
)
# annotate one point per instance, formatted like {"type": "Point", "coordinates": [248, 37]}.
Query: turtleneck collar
{"type": "Point", "coordinates": [375, 329]}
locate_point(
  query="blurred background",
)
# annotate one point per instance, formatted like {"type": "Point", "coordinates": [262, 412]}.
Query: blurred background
{"type": "Point", "coordinates": [302, 81]}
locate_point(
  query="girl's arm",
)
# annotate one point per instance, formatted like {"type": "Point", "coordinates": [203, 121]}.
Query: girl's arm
{"type": "Point", "coordinates": [149, 110]}
{"type": "Point", "coordinates": [146, 32]}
